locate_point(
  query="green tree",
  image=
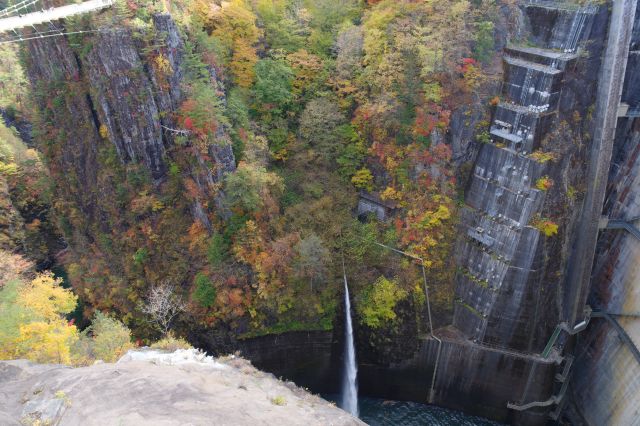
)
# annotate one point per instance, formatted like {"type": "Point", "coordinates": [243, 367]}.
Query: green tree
{"type": "Point", "coordinates": [272, 89]}
{"type": "Point", "coordinates": [312, 259]}
{"type": "Point", "coordinates": [285, 25]}
{"type": "Point", "coordinates": [377, 302]}
{"type": "Point", "coordinates": [217, 250]}
{"type": "Point", "coordinates": [205, 292]}
{"type": "Point", "coordinates": [110, 338]}
{"type": "Point", "coordinates": [320, 126]}
{"type": "Point", "coordinates": [484, 45]}
{"type": "Point", "coordinates": [250, 186]}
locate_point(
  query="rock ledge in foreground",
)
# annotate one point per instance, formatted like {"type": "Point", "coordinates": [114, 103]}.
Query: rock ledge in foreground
{"type": "Point", "coordinates": [147, 387]}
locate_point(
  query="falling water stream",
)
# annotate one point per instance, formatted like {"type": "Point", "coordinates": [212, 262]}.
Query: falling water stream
{"type": "Point", "coordinates": [349, 397]}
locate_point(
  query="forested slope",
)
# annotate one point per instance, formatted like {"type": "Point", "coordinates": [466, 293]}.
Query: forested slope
{"type": "Point", "coordinates": [220, 148]}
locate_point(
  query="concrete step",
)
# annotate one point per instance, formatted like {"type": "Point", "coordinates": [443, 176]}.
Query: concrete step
{"type": "Point", "coordinates": [512, 140]}
{"type": "Point", "coordinates": [526, 125]}
{"type": "Point", "coordinates": [519, 62]}
{"type": "Point", "coordinates": [549, 57]}
{"type": "Point", "coordinates": [519, 109]}
{"type": "Point", "coordinates": [563, 5]}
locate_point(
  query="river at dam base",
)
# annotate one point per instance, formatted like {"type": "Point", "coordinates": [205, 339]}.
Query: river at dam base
{"type": "Point", "coordinates": [383, 412]}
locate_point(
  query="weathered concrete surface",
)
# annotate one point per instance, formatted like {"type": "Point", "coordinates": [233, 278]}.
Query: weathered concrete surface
{"type": "Point", "coordinates": [508, 295]}
{"type": "Point", "coordinates": [141, 390]}
{"type": "Point", "coordinates": [459, 383]}
{"type": "Point", "coordinates": [609, 94]}
{"type": "Point", "coordinates": [605, 388]}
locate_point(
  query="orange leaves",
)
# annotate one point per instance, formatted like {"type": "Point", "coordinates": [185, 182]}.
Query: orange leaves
{"type": "Point", "coordinates": [305, 67]}
{"type": "Point", "coordinates": [198, 237]}
{"type": "Point", "coordinates": [242, 65]}
{"type": "Point", "coordinates": [234, 24]}
{"type": "Point", "coordinates": [193, 192]}
{"type": "Point", "coordinates": [199, 117]}
{"type": "Point", "coordinates": [236, 297]}
{"type": "Point", "coordinates": [248, 243]}
{"type": "Point", "coordinates": [544, 183]}
{"type": "Point", "coordinates": [233, 302]}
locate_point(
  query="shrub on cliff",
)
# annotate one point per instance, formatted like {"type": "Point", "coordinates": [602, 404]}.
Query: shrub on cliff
{"type": "Point", "coordinates": [171, 344]}
{"type": "Point", "coordinates": [546, 226]}
{"type": "Point", "coordinates": [111, 338]}
{"type": "Point", "coordinates": [377, 302]}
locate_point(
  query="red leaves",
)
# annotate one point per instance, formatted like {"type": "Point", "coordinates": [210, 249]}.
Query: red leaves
{"type": "Point", "coordinates": [467, 63]}
{"type": "Point", "coordinates": [442, 152]}
{"type": "Point", "coordinates": [198, 117]}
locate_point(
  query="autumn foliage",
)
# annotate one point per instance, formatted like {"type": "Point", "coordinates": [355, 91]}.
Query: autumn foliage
{"type": "Point", "coordinates": [288, 110]}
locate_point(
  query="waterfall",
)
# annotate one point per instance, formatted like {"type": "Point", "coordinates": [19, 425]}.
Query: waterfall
{"type": "Point", "coordinates": [350, 370]}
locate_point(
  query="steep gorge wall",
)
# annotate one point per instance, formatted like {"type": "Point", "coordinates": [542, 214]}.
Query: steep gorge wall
{"type": "Point", "coordinates": [107, 126]}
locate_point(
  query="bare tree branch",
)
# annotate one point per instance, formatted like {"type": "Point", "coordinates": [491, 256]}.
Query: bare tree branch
{"type": "Point", "coordinates": [163, 305]}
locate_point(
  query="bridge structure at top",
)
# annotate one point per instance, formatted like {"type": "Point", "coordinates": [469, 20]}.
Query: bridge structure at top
{"type": "Point", "coordinates": [26, 14]}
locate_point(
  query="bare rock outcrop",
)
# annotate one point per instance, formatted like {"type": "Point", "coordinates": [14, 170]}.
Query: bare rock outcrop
{"type": "Point", "coordinates": [153, 388]}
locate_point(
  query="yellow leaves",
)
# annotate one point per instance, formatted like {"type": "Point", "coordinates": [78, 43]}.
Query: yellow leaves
{"type": "Point", "coordinates": [390, 193]}
{"type": "Point", "coordinates": [543, 157]}
{"type": "Point", "coordinates": [433, 92]}
{"type": "Point", "coordinates": [145, 202]}
{"type": "Point", "coordinates": [544, 183]}
{"type": "Point", "coordinates": [8, 169]}
{"type": "Point", "coordinates": [473, 77]}
{"type": "Point", "coordinates": [104, 132]}
{"type": "Point", "coordinates": [248, 243]}
{"type": "Point", "coordinates": [363, 179]}
{"type": "Point", "coordinates": [243, 63]}
{"type": "Point", "coordinates": [435, 218]}
{"type": "Point", "coordinates": [459, 9]}
{"type": "Point", "coordinates": [377, 302]}
{"type": "Point", "coordinates": [546, 226]}
{"type": "Point", "coordinates": [234, 24]}
{"type": "Point", "coordinates": [33, 325]}
{"type": "Point", "coordinates": [46, 299]}
{"type": "Point", "coordinates": [280, 155]}
{"type": "Point", "coordinates": [163, 65]}
{"type": "Point", "coordinates": [47, 341]}
{"type": "Point", "coordinates": [376, 39]}
{"type": "Point", "coordinates": [305, 67]}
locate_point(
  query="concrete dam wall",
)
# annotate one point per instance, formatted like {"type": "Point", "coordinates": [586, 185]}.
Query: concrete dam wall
{"type": "Point", "coordinates": [508, 353]}
{"type": "Point", "coordinates": [605, 389]}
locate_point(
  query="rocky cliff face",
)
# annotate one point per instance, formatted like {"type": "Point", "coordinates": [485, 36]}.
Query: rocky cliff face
{"type": "Point", "coordinates": [109, 104]}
